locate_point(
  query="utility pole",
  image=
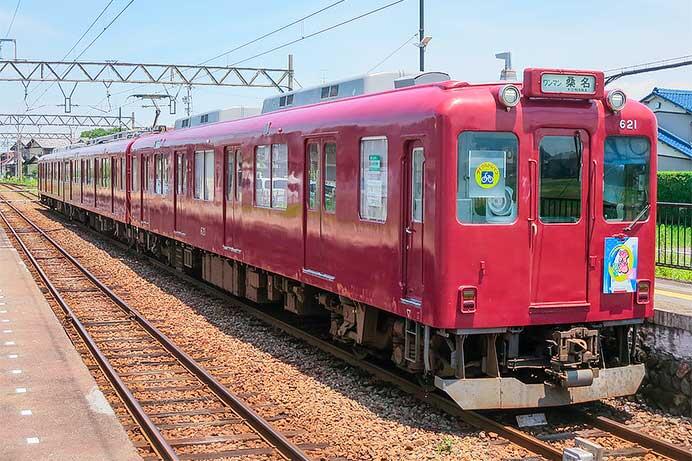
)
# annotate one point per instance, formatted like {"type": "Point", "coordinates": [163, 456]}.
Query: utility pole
{"type": "Point", "coordinates": [19, 158]}
{"type": "Point", "coordinates": [421, 34]}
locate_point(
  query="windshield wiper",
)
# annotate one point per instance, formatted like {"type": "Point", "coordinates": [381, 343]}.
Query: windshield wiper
{"type": "Point", "coordinates": [638, 218]}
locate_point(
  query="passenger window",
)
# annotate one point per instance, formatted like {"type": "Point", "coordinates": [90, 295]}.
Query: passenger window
{"type": "Point", "coordinates": [279, 185]}
{"type": "Point", "coordinates": [373, 179]}
{"type": "Point", "coordinates": [560, 180]}
{"type": "Point", "coordinates": [204, 175]}
{"type": "Point", "coordinates": [135, 174]}
{"type": "Point", "coordinates": [487, 177]}
{"type": "Point", "coordinates": [239, 175]}
{"type": "Point", "coordinates": [329, 185]}
{"type": "Point", "coordinates": [181, 165]}
{"type": "Point", "coordinates": [417, 184]}
{"type": "Point", "coordinates": [230, 173]}
{"type": "Point", "coordinates": [262, 177]}
{"type": "Point", "coordinates": [123, 175]}
{"type": "Point", "coordinates": [625, 177]}
{"type": "Point", "coordinates": [313, 176]}
{"type": "Point", "coordinates": [161, 172]}
{"type": "Point", "coordinates": [145, 172]}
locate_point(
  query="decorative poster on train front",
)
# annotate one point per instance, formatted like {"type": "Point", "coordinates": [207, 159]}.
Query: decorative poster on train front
{"type": "Point", "coordinates": [620, 265]}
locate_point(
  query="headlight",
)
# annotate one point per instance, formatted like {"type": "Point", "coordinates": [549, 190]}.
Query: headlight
{"type": "Point", "coordinates": [616, 100]}
{"type": "Point", "coordinates": [510, 95]}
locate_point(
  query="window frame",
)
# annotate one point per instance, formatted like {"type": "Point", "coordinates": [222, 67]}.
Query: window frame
{"type": "Point", "coordinates": [362, 186]}
{"type": "Point", "coordinates": [648, 177]}
{"type": "Point", "coordinates": [518, 140]}
{"type": "Point", "coordinates": [206, 192]}
{"type": "Point", "coordinates": [324, 166]}
{"type": "Point", "coordinates": [583, 205]}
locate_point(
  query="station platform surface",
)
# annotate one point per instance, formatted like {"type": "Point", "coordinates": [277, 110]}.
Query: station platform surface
{"type": "Point", "coordinates": [50, 405]}
{"type": "Point", "coordinates": [673, 304]}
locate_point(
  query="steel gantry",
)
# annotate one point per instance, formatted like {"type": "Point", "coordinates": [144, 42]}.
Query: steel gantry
{"type": "Point", "coordinates": [7, 136]}
{"type": "Point", "coordinates": [109, 72]}
{"type": "Point", "coordinates": [68, 120]}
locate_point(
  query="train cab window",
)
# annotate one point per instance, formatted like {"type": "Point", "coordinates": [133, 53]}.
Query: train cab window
{"type": "Point", "coordinates": [262, 177]}
{"type": "Point", "coordinates": [161, 174]}
{"type": "Point", "coordinates": [373, 179]}
{"type": "Point", "coordinates": [560, 180]}
{"type": "Point", "coordinates": [487, 177]}
{"type": "Point", "coordinates": [329, 185]}
{"type": "Point", "coordinates": [204, 175]}
{"type": "Point", "coordinates": [625, 177]}
{"type": "Point", "coordinates": [279, 182]}
{"type": "Point", "coordinates": [181, 173]}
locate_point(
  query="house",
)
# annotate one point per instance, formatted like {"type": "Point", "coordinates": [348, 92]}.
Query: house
{"type": "Point", "coordinates": [31, 151]}
{"type": "Point", "coordinates": [673, 109]}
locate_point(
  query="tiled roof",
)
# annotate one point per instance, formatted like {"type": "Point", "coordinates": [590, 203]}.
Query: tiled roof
{"type": "Point", "coordinates": [682, 98]}
{"type": "Point", "coordinates": [675, 142]}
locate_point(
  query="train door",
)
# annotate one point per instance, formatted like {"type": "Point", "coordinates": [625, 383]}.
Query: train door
{"type": "Point", "coordinates": [232, 160]}
{"type": "Point", "coordinates": [135, 187]}
{"type": "Point", "coordinates": [147, 187]}
{"type": "Point", "coordinates": [113, 173]}
{"type": "Point", "coordinates": [559, 225]}
{"type": "Point", "coordinates": [320, 203]}
{"type": "Point", "coordinates": [414, 164]}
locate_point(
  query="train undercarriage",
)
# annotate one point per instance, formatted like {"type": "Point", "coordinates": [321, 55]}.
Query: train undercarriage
{"type": "Point", "coordinates": [479, 368]}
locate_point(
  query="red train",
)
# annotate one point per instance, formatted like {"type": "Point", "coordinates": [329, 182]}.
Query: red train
{"type": "Point", "coordinates": [497, 238]}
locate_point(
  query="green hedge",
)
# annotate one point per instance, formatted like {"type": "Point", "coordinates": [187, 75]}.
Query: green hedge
{"type": "Point", "coordinates": [675, 186]}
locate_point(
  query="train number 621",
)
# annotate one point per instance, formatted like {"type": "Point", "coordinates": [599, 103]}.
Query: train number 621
{"type": "Point", "coordinates": [628, 124]}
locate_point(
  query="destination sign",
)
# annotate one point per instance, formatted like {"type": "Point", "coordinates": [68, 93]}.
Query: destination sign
{"type": "Point", "coordinates": [568, 83]}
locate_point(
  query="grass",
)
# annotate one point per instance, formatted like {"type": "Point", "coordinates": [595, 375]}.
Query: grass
{"type": "Point", "coordinates": [445, 446]}
{"type": "Point", "coordinates": [681, 275]}
{"type": "Point", "coordinates": [28, 182]}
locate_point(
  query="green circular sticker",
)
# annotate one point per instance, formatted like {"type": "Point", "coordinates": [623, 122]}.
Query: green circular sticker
{"type": "Point", "coordinates": [487, 175]}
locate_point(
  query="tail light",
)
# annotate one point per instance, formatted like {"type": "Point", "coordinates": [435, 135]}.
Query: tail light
{"type": "Point", "coordinates": [643, 291]}
{"type": "Point", "coordinates": [467, 299]}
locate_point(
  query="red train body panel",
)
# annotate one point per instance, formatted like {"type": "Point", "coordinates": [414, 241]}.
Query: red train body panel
{"type": "Point", "coordinates": [434, 248]}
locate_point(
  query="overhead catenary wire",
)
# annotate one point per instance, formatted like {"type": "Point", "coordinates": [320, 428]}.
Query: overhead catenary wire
{"type": "Point", "coordinates": [14, 16]}
{"type": "Point", "coordinates": [392, 53]}
{"type": "Point", "coordinates": [89, 45]}
{"type": "Point", "coordinates": [321, 31]}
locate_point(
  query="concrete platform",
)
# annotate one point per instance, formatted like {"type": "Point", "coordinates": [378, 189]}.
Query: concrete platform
{"type": "Point", "coordinates": [50, 406]}
{"type": "Point", "coordinates": [673, 304]}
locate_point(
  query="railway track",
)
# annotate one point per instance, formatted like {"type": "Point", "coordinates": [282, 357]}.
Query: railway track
{"type": "Point", "coordinates": [27, 193]}
{"type": "Point", "coordinates": [165, 390]}
{"type": "Point", "coordinates": [549, 447]}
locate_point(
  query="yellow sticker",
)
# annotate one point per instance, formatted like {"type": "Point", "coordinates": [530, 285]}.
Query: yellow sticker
{"type": "Point", "coordinates": [487, 175]}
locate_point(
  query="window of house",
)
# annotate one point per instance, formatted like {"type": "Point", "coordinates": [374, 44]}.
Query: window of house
{"type": "Point", "coordinates": [262, 176]}
{"type": "Point", "coordinates": [161, 174]}
{"type": "Point", "coordinates": [487, 177]}
{"type": "Point", "coordinates": [373, 179]}
{"type": "Point", "coordinates": [625, 177]}
{"type": "Point", "coordinates": [204, 175]}
{"type": "Point", "coordinates": [329, 185]}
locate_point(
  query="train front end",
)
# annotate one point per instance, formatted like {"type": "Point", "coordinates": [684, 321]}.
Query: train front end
{"type": "Point", "coordinates": [548, 243]}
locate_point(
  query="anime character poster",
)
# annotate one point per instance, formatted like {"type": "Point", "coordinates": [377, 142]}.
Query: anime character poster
{"type": "Point", "coordinates": [620, 265]}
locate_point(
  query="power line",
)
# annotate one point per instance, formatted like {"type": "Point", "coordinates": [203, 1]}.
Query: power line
{"type": "Point", "coordinates": [326, 29]}
{"type": "Point", "coordinates": [90, 44]}
{"type": "Point", "coordinates": [19, 2]}
{"type": "Point", "coordinates": [105, 29]}
{"type": "Point", "coordinates": [88, 29]}
{"type": "Point", "coordinates": [274, 31]}
{"type": "Point", "coordinates": [392, 53]}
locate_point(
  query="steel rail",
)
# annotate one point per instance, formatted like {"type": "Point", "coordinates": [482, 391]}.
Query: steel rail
{"type": "Point", "coordinates": [622, 431]}
{"type": "Point", "coordinates": [151, 432]}
{"type": "Point", "coordinates": [270, 435]}
{"type": "Point", "coordinates": [472, 418]}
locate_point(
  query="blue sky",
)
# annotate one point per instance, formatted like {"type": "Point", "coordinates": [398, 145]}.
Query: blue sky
{"type": "Point", "coordinates": [466, 35]}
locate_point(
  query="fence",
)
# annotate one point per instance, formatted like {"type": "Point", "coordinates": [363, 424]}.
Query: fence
{"type": "Point", "coordinates": [674, 235]}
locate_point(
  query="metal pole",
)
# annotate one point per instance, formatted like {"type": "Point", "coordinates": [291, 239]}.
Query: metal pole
{"type": "Point", "coordinates": [19, 158]}
{"type": "Point", "coordinates": [290, 72]}
{"type": "Point", "coordinates": [421, 34]}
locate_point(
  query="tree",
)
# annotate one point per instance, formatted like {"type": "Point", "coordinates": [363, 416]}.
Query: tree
{"type": "Point", "coordinates": [98, 132]}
